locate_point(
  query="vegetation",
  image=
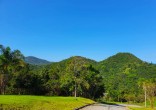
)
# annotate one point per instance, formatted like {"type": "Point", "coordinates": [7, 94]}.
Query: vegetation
{"type": "Point", "coordinates": [76, 75]}
{"type": "Point", "coordinates": [10, 63]}
{"type": "Point", "coordinates": [122, 77]}
{"type": "Point", "coordinates": [41, 102]}
{"type": "Point", "coordinates": [136, 108]}
{"type": "Point", "coordinates": [122, 74]}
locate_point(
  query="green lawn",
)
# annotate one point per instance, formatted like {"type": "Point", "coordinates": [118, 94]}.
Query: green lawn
{"type": "Point", "coordinates": [15, 102]}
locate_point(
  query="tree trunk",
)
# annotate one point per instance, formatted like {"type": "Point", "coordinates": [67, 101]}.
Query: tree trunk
{"type": "Point", "coordinates": [75, 93]}
{"type": "Point", "coordinates": [2, 84]}
{"type": "Point", "coordinates": [145, 97]}
{"type": "Point", "coordinates": [118, 98]}
{"type": "Point", "coordinates": [152, 102]}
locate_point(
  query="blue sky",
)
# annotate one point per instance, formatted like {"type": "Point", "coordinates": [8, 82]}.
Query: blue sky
{"type": "Point", "coordinates": [57, 29]}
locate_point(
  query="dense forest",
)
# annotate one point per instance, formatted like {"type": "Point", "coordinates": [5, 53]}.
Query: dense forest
{"type": "Point", "coordinates": [122, 77]}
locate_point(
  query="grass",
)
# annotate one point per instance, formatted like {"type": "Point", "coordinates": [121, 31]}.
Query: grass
{"type": "Point", "coordinates": [133, 108]}
{"type": "Point", "coordinates": [143, 106]}
{"type": "Point", "coordinates": [15, 102]}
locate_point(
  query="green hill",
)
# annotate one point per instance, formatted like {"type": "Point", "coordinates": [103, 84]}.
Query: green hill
{"type": "Point", "coordinates": [121, 62]}
{"type": "Point", "coordinates": [121, 74]}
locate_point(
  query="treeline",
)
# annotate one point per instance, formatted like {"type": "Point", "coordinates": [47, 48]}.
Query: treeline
{"type": "Point", "coordinates": [74, 76]}
{"type": "Point", "coordinates": [122, 77]}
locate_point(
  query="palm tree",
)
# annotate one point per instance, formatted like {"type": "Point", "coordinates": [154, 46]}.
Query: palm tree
{"type": "Point", "coordinates": [10, 62]}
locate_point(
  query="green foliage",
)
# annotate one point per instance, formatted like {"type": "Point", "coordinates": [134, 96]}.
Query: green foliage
{"type": "Point", "coordinates": [118, 76]}
{"type": "Point", "coordinates": [75, 70]}
{"type": "Point", "coordinates": [121, 74]}
{"type": "Point", "coordinates": [10, 63]}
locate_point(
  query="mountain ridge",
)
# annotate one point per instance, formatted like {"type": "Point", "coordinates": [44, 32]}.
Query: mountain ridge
{"type": "Point", "coordinates": [36, 61]}
{"type": "Point", "coordinates": [125, 56]}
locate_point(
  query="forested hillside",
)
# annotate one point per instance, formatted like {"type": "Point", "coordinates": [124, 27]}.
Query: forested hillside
{"type": "Point", "coordinates": [118, 78]}
{"type": "Point", "coordinates": [122, 74]}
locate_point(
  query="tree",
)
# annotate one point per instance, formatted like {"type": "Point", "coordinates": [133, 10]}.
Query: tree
{"type": "Point", "coordinates": [10, 62]}
{"type": "Point", "coordinates": [52, 81]}
{"type": "Point", "coordinates": [74, 74]}
{"type": "Point", "coordinates": [149, 87]}
{"type": "Point", "coordinates": [80, 78]}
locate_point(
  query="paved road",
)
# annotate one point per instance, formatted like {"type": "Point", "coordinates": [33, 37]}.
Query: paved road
{"type": "Point", "coordinates": [104, 107]}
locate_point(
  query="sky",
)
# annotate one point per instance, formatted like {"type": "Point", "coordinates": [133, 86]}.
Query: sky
{"type": "Point", "coordinates": [58, 29]}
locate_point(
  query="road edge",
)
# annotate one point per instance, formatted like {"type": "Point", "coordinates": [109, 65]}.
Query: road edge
{"type": "Point", "coordinates": [85, 106]}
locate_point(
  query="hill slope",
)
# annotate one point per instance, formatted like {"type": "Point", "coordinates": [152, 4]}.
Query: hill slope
{"type": "Point", "coordinates": [121, 74]}
{"type": "Point", "coordinates": [119, 61]}
{"type": "Point", "coordinates": [36, 61]}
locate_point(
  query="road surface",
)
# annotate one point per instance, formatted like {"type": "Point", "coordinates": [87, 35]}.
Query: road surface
{"type": "Point", "coordinates": [104, 107]}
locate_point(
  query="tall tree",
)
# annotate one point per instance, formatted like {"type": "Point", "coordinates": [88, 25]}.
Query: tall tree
{"type": "Point", "coordinates": [10, 62]}
{"type": "Point", "coordinates": [149, 87]}
{"type": "Point", "coordinates": [81, 78]}
{"type": "Point", "coordinates": [74, 73]}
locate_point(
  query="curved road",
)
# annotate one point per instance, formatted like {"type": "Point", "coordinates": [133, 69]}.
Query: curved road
{"type": "Point", "coordinates": [104, 107]}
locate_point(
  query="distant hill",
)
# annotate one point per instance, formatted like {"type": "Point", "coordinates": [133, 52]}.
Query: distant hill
{"type": "Point", "coordinates": [77, 59]}
{"type": "Point", "coordinates": [36, 61]}
{"type": "Point", "coordinates": [123, 63]}
{"type": "Point", "coordinates": [120, 60]}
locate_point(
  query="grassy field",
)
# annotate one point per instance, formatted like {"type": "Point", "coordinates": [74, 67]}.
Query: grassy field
{"type": "Point", "coordinates": [15, 102]}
